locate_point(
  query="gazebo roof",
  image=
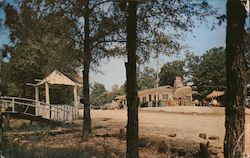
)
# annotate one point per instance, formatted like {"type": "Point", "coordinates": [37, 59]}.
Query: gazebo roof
{"type": "Point", "coordinates": [56, 77]}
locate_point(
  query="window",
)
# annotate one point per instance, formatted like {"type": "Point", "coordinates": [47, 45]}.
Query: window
{"type": "Point", "coordinates": [124, 102]}
{"type": "Point", "coordinates": [149, 98]}
{"type": "Point", "coordinates": [164, 96]}
{"type": "Point", "coordinates": [154, 97]}
{"type": "Point", "coordinates": [188, 98]}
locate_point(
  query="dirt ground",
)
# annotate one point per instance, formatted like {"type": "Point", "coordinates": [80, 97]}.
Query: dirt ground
{"type": "Point", "coordinates": [186, 127]}
{"type": "Point", "coordinates": [162, 134]}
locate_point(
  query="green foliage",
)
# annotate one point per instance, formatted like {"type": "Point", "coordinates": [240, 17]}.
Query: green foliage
{"type": "Point", "coordinates": [191, 63]}
{"type": "Point", "coordinates": [170, 70]}
{"type": "Point", "coordinates": [206, 72]}
{"type": "Point", "coordinates": [97, 89]}
{"type": "Point", "coordinates": [210, 72]}
{"type": "Point", "coordinates": [105, 27]}
{"type": "Point", "coordinates": [100, 96]}
{"type": "Point", "coordinates": [41, 43]}
{"type": "Point", "coordinates": [60, 94]}
{"type": "Point", "coordinates": [7, 86]}
{"type": "Point", "coordinates": [43, 33]}
{"type": "Point", "coordinates": [160, 25]}
{"type": "Point", "coordinates": [146, 79]}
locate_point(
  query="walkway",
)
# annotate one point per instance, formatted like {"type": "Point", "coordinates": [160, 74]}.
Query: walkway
{"type": "Point", "coordinates": [29, 109]}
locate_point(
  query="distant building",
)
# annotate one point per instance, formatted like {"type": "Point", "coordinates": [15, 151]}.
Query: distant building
{"type": "Point", "coordinates": [182, 94]}
{"type": "Point", "coordinates": [163, 96]}
{"type": "Point", "coordinates": [150, 97]}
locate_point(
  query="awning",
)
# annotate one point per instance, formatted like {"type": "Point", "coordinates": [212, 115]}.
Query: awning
{"type": "Point", "coordinates": [215, 94]}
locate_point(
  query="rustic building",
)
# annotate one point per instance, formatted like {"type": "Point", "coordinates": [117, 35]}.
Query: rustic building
{"type": "Point", "coordinates": [163, 96]}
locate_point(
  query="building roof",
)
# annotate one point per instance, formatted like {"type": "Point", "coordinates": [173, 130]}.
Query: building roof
{"type": "Point", "coordinates": [56, 77]}
{"type": "Point", "coordinates": [161, 89]}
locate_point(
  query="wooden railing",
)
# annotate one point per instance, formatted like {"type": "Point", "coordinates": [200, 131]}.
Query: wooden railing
{"type": "Point", "coordinates": [37, 108]}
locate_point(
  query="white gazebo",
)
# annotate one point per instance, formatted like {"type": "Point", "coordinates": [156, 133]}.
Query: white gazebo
{"type": "Point", "coordinates": [55, 78]}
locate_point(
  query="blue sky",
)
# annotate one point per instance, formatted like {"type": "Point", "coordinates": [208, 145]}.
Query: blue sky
{"type": "Point", "coordinates": [199, 41]}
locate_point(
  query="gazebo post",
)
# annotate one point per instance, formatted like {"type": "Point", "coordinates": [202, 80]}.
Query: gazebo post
{"type": "Point", "coordinates": [75, 100]}
{"type": "Point", "coordinates": [47, 100]}
{"type": "Point", "coordinates": [36, 93]}
{"type": "Point", "coordinates": [37, 100]}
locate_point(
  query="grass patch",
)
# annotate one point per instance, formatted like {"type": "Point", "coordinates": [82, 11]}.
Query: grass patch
{"type": "Point", "coordinates": [19, 151]}
{"type": "Point", "coordinates": [26, 126]}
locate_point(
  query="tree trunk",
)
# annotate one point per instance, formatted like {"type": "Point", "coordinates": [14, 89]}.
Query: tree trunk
{"type": "Point", "coordinates": [1, 58]}
{"type": "Point", "coordinates": [236, 81]}
{"type": "Point", "coordinates": [86, 64]}
{"type": "Point", "coordinates": [131, 89]}
{"type": "Point", "coordinates": [1, 116]}
{"type": "Point", "coordinates": [1, 133]}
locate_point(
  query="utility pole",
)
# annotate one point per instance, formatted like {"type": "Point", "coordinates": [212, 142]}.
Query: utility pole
{"type": "Point", "coordinates": [157, 80]}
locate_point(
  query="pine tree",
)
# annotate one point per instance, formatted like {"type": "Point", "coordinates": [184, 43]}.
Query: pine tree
{"type": "Point", "coordinates": [236, 80]}
{"type": "Point", "coordinates": [132, 96]}
{"type": "Point", "coordinates": [86, 66]}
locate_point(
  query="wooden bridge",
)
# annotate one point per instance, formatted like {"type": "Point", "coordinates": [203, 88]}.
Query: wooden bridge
{"type": "Point", "coordinates": [33, 110]}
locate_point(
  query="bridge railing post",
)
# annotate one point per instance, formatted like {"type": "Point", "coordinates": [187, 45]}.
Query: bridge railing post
{"type": "Point", "coordinates": [67, 116]}
{"type": "Point", "coordinates": [2, 106]}
{"type": "Point", "coordinates": [75, 114]}
{"type": "Point", "coordinates": [57, 112]}
{"type": "Point", "coordinates": [72, 112]}
{"type": "Point", "coordinates": [64, 113]}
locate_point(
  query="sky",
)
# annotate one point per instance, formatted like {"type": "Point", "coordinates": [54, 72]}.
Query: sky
{"type": "Point", "coordinates": [199, 41]}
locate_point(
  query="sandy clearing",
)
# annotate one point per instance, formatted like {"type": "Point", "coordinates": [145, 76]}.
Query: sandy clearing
{"type": "Point", "coordinates": [187, 124]}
